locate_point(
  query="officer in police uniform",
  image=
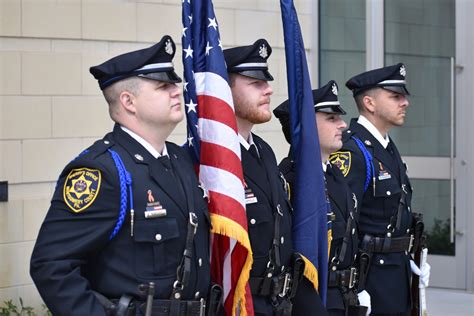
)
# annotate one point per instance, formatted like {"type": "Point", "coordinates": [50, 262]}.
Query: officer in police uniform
{"type": "Point", "coordinates": [128, 210]}
{"type": "Point", "coordinates": [267, 205]}
{"type": "Point", "coordinates": [343, 261]}
{"type": "Point", "coordinates": [372, 165]}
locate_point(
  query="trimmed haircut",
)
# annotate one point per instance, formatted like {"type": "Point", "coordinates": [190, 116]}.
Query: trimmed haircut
{"type": "Point", "coordinates": [359, 99]}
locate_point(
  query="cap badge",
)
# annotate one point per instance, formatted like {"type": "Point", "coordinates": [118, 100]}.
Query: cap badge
{"type": "Point", "coordinates": [262, 51]}
{"type": "Point", "coordinates": [334, 89]}
{"type": "Point", "coordinates": [403, 71]}
{"type": "Point", "coordinates": [169, 47]}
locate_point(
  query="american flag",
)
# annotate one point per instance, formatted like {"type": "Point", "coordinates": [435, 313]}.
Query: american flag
{"type": "Point", "coordinates": [213, 138]}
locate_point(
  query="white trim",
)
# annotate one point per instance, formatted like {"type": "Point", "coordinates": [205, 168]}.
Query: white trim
{"type": "Point", "coordinates": [251, 65]}
{"type": "Point", "coordinates": [392, 82]}
{"type": "Point", "coordinates": [156, 66]}
{"type": "Point", "coordinates": [326, 103]}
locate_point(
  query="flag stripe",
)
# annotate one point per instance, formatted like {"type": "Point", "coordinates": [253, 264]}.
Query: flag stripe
{"type": "Point", "coordinates": [220, 134]}
{"type": "Point", "coordinates": [216, 109]}
{"type": "Point", "coordinates": [211, 84]}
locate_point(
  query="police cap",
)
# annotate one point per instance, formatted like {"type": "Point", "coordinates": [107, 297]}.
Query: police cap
{"type": "Point", "coordinates": [250, 61]}
{"type": "Point", "coordinates": [324, 99]}
{"type": "Point", "coordinates": [390, 78]}
{"type": "Point", "coordinates": [154, 63]}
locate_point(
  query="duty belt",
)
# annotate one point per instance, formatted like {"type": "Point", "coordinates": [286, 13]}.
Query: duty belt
{"type": "Point", "coordinates": [160, 308]}
{"type": "Point", "coordinates": [387, 244]}
{"type": "Point", "coordinates": [343, 278]}
{"type": "Point", "coordinates": [184, 308]}
{"type": "Point", "coordinates": [265, 286]}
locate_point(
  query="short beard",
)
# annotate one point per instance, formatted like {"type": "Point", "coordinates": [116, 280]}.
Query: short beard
{"type": "Point", "coordinates": [254, 115]}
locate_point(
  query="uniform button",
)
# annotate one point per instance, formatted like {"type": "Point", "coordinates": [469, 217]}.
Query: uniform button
{"type": "Point", "coordinates": [348, 131]}
{"type": "Point", "coordinates": [196, 295]}
{"type": "Point", "coordinates": [408, 230]}
{"type": "Point", "coordinates": [409, 209]}
{"type": "Point", "coordinates": [106, 142]}
{"type": "Point", "coordinates": [389, 234]}
{"type": "Point", "coordinates": [158, 237]}
{"type": "Point", "coordinates": [333, 268]}
{"type": "Point", "coordinates": [381, 261]}
{"type": "Point", "coordinates": [389, 193]}
{"type": "Point", "coordinates": [353, 231]}
{"type": "Point", "coordinates": [282, 240]}
{"type": "Point", "coordinates": [200, 262]}
{"type": "Point", "coordinates": [253, 221]}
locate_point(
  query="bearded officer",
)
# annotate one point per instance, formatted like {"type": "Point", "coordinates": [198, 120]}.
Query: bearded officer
{"type": "Point", "coordinates": [128, 210]}
{"type": "Point", "coordinates": [276, 270]}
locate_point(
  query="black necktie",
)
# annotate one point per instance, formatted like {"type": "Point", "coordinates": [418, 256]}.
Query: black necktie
{"type": "Point", "coordinates": [166, 162]}
{"type": "Point", "coordinates": [253, 152]}
{"type": "Point", "coordinates": [390, 148]}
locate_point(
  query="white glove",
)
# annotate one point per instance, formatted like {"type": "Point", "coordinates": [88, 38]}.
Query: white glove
{"type": "Point", "coordinates": [423, 273]}
{"type": "Point", "coordinates": [364, 300]}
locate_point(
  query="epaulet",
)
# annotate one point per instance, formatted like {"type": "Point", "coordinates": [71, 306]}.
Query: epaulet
{"type": "Point", "coordinates": [98, 148]}
{"type": "Point", "coordinates": [346, 135]}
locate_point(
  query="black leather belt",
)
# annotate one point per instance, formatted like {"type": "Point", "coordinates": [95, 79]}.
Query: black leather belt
{"type": "Point", "coordinates": [280, 285]}
{"type": "Point", "coordinates": [343, 278]}
{"type": "Point", "coordinates": [387, 244]}
{"type": "Point", "coordinates": [186, 308]}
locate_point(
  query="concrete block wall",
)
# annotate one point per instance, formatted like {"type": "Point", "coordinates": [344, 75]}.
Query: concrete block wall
{"type": "Point", "coordinates": [51, 108]}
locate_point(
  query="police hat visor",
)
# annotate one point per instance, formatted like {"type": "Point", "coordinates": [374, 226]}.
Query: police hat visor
{"type": "Point", "coordinates": [168, 76]}
{"type": "Point", "coordinates": [331, 109]}
{"type": "Point", "coordinates": [261, 74]}
{"type": "Point", "coordinates": [397, 89]}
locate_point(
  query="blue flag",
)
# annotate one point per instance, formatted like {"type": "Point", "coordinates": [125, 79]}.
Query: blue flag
{"type": "Point", "coordinates": [310, 228]}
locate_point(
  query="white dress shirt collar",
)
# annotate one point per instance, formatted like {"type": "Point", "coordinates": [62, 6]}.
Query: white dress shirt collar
{"type": "Point", "coordinates": [374, 131]}
{"type": "Point", "coordinates": [146, 144]}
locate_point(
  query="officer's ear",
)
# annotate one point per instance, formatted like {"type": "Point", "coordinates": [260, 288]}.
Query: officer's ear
{"type": "Point", "coordinates": [368, 102]}
{"type": "Point", "coordinates": [127, 100]}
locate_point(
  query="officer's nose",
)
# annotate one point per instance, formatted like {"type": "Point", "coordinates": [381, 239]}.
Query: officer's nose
{"type": "Point", "coordinates": [268, 89]}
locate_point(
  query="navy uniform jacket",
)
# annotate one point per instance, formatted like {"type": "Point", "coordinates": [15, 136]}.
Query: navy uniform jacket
{"type": "Point", "coordinates": [73, 254]}
{"type": "Point", "coordinates": [343, 203]}
{"type": "Point", "coordinates": [344, 206]}
{"type": "Point", "coordinates": [263, 181]}
{"type": "Point", "coordinates": [388, 278]}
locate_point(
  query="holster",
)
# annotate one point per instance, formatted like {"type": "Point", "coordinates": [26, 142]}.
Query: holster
{"type": "Point", "coordinates": [215, 305]}
{"type": "Point", "coordinates": [357, 310]}
{"type": "Point", "coordinates": [121, 307]}
{"type": "Point", "coordinates": [351, 304]}
{"type": "Point", "coordinates": [364, 266]}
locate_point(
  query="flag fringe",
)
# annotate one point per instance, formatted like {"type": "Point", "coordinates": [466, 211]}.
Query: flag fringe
{"type": "Point", "coordinates": [310, 272]}
{"type": "Point", "coordinates": [222, 225]}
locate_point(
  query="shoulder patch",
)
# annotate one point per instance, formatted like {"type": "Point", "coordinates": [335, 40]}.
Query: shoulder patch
{"type": "Point", "coordinates": [342, 160]}
{"type": "Point", "coordinates": [81, 188]}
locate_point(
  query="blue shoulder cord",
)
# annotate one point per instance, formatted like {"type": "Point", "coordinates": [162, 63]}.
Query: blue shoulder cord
{"type": "Point", "coordinates": [125, 181]}
{"type": "Point", "coordinates": [369, 166]}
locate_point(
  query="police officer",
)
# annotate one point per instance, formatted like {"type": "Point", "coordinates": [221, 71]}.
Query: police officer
{"type": "Point", "coordinates": [374, 169]}
{"type": "Point", "coordinates": [343, 278]}
{"type": "Point", "coordinates": [267, 205]}
{"type": "Point", "coordinates": [128, 210]}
